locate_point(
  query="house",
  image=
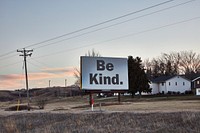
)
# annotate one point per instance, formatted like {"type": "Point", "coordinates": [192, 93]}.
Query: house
{"type": "Point", "coordinates": [196, 85]}
{"type": "Point", "coordinates": [165, 84]}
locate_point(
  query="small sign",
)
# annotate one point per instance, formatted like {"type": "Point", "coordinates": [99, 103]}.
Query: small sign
{"type": "Point", "coordinates": [104, 73]}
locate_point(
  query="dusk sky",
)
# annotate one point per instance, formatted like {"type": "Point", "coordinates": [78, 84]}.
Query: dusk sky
{"type": "Point", "coordinates": [173, 26]}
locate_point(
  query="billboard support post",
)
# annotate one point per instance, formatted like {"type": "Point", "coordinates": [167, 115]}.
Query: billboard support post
{"type": "Point", "coordinates": [119, 98]}
{"type": "Point", "coordinates": [90, 99]}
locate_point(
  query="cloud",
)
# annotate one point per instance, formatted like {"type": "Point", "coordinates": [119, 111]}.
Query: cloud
{"type": "Point", "coordinates": [11, 77]}
{"type": "Point", "coordinates": [68, 71]}
{"type": "Point", "coordinates": [14, 81]}
{"type": "Point", "coordinates": [10, 84]}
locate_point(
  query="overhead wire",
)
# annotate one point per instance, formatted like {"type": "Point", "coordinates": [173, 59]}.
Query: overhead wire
{"type": "Point", "coordinates": [92, 26]}
{"type": "Point", "coordinates": [101, 23]}
{"type": "Point", "coordinates": [120, 37]}
{"type": "Point", "coordinates": [8, 57]}
{"type": "Point", "coordinates": [8, 65]}
{"type": "Point", "coordinates": [34, 64]}
{"type": "Point", "coordinates": [42, 64]}
{"type": "Point", "coordinates": [109, 26]}
{"type": "Point", "coordinates": [105, 28]}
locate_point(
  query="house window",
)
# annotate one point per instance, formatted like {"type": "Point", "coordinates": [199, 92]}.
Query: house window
{"type": "Point", "coordinates": [183, 83]}
{"type": "Point", "coordinates": [169, 83]}
{"type": "Point", "coordinates": [176, 83]}
{"type": "Point", "coordinates": [162, 83]}
{"type": "Point", "coordinates": [198, 82]}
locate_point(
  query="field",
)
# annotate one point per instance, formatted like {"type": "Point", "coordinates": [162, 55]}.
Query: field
{"type": "Point", "coordinates": [73, 114]}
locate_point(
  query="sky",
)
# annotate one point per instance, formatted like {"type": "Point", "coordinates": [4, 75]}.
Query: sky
{"type": "Point", "coordinates": [170, 27]}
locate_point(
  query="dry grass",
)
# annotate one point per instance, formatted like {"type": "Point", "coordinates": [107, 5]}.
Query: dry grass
{"type": "Point", "coordinates": [127, 122]}
{"type": "Point", "coordinates": [157, 115]}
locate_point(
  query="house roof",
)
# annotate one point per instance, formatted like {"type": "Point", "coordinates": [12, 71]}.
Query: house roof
{"type": "Point", "coordinates": [161, 79]}
{"type": "Point", "coordinates": [192, 76]}
{"type": "Point", "coordinates": [195, 79]}
{"type": "Point", "coordinates": [165, 78]}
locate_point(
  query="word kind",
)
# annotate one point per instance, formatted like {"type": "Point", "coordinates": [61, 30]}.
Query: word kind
{"type": "Point", "coordinates": [100, 79]}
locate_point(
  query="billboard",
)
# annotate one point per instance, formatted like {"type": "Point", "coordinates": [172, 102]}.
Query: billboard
{"type": "Point", "coordinates": [104, 73]}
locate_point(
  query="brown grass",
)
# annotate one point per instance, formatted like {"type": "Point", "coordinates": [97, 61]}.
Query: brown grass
{"type": "Point", "coordinates": [127, 122]}
{"type": "Point", "coordinates": [72, 114]}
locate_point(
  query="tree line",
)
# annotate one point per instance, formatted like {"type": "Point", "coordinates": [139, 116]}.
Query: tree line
{"type": "Point", "coordinates": [174, 63]}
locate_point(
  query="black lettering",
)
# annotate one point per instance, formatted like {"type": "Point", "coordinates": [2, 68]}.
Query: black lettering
{"type": "Point", "coordinates": [100, 79]}
{"type": "Point", "coordinates": [115, 79]}
{"type": "Point", "coordinates": [93, 78]}
{"type": "Point", "coordinates": [109, 67]}
{"type": "Point", "coordinates": [107, 80]}
{"type": "Point", "coordinates": [100, 65]}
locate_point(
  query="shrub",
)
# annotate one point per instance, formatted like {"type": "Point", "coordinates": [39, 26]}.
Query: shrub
{"type": "Point", "coordinates": [169, 92]}
{"type": "Point", "coordinates": [188, 92]}
{"type": "Point", "coordinates": [41, 103]}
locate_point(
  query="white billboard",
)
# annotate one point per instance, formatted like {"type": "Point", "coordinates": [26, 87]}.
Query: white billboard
{"type": "Point", "coordinates": [104, 73]}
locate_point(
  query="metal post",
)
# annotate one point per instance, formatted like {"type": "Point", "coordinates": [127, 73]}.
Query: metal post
{"type": "Point", "coordinates": [90, 99]}
{"type": "Point", "coordinates": [65, 82]}
{"type": "Point", "coordinates": [49, 83]}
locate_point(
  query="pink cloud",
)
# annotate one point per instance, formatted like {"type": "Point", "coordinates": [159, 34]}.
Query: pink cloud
{"type": "Point", "coordinates": [14, 80]}
{"type": "Point", "coordinates": [67, 71]}
{"type": "Point", "coordinates": [10, 84]}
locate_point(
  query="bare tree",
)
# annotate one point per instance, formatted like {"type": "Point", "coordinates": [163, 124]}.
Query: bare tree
{"type": "Point", "coordinates": [190, 62]}
{"type": "Point", "coordinates": [77, 72]}
{"type": "Point", "coordinates": [93, 53]}
{"type": "Point", "coordinates": [184, 62]}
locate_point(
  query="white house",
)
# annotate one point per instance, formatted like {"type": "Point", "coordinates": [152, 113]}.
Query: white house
{"type": "Point", "coordinates": [165, 84]}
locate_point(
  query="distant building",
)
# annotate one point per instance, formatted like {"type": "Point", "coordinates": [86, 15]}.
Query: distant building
{"type": "Point", "coordinates": [196, 85]}
{"type": "Point", "coordinates": [165, 84]}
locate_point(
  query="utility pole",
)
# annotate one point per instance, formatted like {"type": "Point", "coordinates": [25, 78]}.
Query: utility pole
{"type": "Point", "coordinates": [49, 83]}
{"type": "Point", "coordinates": [65, 82]}
{"type": "Point", "coordinates": [26, 53]}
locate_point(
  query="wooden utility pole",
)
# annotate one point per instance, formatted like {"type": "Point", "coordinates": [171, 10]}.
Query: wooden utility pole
{"type": "Point", "coordinates": [26, 53]}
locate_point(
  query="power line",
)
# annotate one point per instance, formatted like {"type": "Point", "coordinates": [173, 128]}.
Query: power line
{"type": "Point", "coordinates": [120, 37]}
{"type": "Point", "coordinates": [7, 53]}
{"type": "Point", "coordinates": [8, 57]}
{"type": "Point", "coordinates": [92, 26]}
{"type": "Point", "coordinates": [42, 64]}
{"type": "Point", "coordinates": [115, 24]}
{"type": "Point", "coordinates": [95, 25]}
{"type": "Point", "coordinates": [11, 64]}
{"type": "Point", "coordinates": [34, 64]}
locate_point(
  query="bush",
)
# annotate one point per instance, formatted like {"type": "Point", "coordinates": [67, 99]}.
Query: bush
{"type": "Point", "coordinates": [169, 92]}
{"type": "Point", "coordinates": [41, 103]}
{"type": "Point", "coordinates": [188, 92]}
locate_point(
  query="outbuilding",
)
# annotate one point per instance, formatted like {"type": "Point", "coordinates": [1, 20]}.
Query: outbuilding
{"type": "Point", "coordinates": [196, 85]}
